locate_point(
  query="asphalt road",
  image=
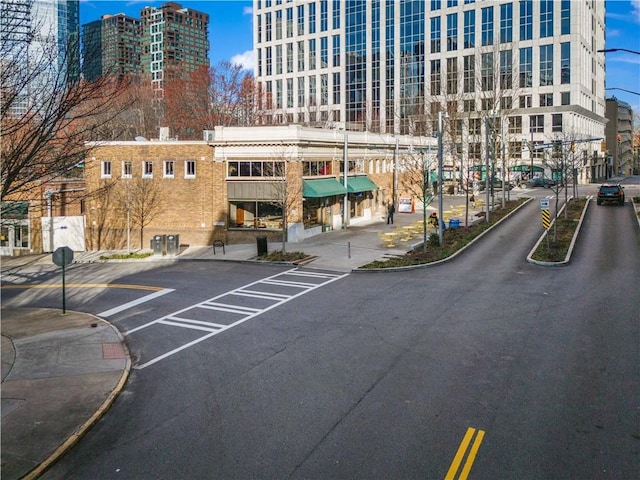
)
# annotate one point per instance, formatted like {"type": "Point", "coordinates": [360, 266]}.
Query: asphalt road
{"type": "Point", "coordinates": [384, 375]}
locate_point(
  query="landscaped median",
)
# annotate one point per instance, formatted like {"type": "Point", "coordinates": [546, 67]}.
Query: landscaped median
{"type": "Point", "coordinates": [554, 247]}
{"type": "Point", "coordinates": [454, 241]}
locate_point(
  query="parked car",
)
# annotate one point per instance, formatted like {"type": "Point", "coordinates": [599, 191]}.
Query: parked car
{"type": "Point", "coordinates": [496, 183]}
{"type": "Point", "coordinates": [610, 192]}
{"type": "Point", "coordinates": [540, 182]}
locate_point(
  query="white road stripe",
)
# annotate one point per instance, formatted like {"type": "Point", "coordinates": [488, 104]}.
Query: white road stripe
{"type": "Point", "coordinates": [177, 318]}
{"type": "Point", "coordinates": [133, 303]}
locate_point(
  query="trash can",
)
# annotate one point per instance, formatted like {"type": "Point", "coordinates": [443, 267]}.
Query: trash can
{"type": "Point", "coordinates": [173, 244]}
{"type": "Point", "coordinates": [262, 246]}
{"type": "Point", "coordinates": [454, 223]}
{"type": "Point", "coordinates": [157, 244]}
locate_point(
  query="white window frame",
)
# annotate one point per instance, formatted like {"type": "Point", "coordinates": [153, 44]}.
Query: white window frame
{"type": "Point", "coordinates": [147, 172]}
{"type": "Point", "coordinates": [189, 172]}
{"type": "Point", "coordinates": [165, 165]}
{"type": "Point", "coordinates": [105, 168]}
{"type": "Point", "coordinates": [126, 163]}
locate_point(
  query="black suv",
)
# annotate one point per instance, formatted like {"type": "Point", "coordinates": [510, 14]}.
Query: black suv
{"type": "Point", "coordinates": [610, 192]}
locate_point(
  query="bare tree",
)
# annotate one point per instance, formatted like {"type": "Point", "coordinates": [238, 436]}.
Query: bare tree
{"type": "Point", "coordinates": [286, 193]}
{"type": "Point", "coordinates": [417, 169]}
{"type": "Point", "coordinates": [142, 200]}
{"type": "Point", "coordinates": [47, 114]}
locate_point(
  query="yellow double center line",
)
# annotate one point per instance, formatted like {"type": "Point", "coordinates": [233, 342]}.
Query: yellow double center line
{"type": "Point", "coordinates": [462, 450]}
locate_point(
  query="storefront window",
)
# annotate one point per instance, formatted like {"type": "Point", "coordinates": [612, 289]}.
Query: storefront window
{"type": "Point", "coordinates": [254, 215]}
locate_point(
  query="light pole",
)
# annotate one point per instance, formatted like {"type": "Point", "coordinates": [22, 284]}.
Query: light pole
{"type": "Point", "coordinates": [440, 183]}
{"type": "Point", "coordinates": [486, 174]}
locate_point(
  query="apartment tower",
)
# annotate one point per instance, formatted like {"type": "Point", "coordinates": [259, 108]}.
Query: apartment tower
{"type": "Point", "coordinates": [174, 42]}
{"type": "Point", "coordinates": [111, 45]}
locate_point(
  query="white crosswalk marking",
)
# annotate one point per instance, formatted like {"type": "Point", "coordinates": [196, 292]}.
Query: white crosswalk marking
{"type": "Point", "coordinates": [191, 317]}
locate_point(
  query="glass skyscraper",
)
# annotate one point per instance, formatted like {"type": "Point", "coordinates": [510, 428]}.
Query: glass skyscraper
{"type": "Point", "coordinates": [390, 66]}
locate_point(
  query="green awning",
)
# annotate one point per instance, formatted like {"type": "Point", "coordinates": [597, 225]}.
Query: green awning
{"type": "Point", "coordinates": [324, 187]}
{"type": "Point", "coordinates": [15, 210]}
{"type": "Point", "coordinates": [359, 184]}
{"type": "Point", "coordinates": [526, 168]}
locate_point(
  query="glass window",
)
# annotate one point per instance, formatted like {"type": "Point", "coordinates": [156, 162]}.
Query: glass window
{"type": "Point", "coordinates": [452, 75]}
{"type": "Point", "coordinates": [565, 17]}
{"type": "Point", "coordinates": [469, 29]}
{"type": "Point", "coordinates": [301, 92]}
{"type": "Point", "coordinates": [105, 168]}
{"type": "Point", "coordinates": [279, 25]}
{"type": "Point", "coordinates": [336, 88]}
{"type": "Point", "coordinates": [189, 169]}
{"type": "Point", "coordinates": [546, 65]}
{"type": "Point", "coordinates": [255, 214]}
{"type": "Point", "coordinates": [436, 4]}
{"type": "Point", "coordinates": [289, 57]}
{"type": "Point", "coordinates": [525, 101]}
{"type": "Point", "coordinates": [289, 22]}
{"type": "Point", "coordinates": [127, 169]}
{"type": "Point", "coordinates": [312, 54]}
{"type": "Point", "coordinates": [147, 168]}
{"type": "Point", "coordinates": [312, 17]}
{"type": "Point", "coordinates": [506, 69]}
{"type": "Point", "coordinates": [452, 31]}
{"type": "Point", "coordinates": [546, 18]}
{"type": "Point", "coordinates": [336, 14]}
{"type": "Point", "coordinates": [300, 19]}
{"type": "Point", "coordinates": [278, 59]}
{"type": "Point", "coordinates": [526, 67]}
{"type": "Point", "coordinates": [565, 98]}
{"type": "Point", "coordinates": [487, 26]}
{"type": "Point", "coordinates": [267, 26]}
{"type": "Point", "coordinates": [536, 123]}
{"type": "Point", "coordinates": [324, 15]}
{"type": "Point", "coordinates": [526, 19]}
{"type": "Point", "coordinates": [324, 89]}
{"type": "Point", "coordinates": [506, 22]}
{"type": "Point", "coordinates": [565, 63]}
{"type": "Point", "coordinates": [435, 34]}
{"type": "Point", "coordinates": [168, 168]}
{"type": "Point", "coordinates": [336, 50]}
{"type": "Point", "coordinates": [487, 71]}
{"type": "Point", "coordinates": [469, 73]}
{"type": "Point", "coordinates": [324, 52]}
{"type": "Point", "coordinates": [556, 122]}
{"type": "Point", "coordinates": [436, 84]}
{"type": "Point", "coordinates": [515, 125]}
{"type": "Point", "coordinates": [475, 125]}
{"type": "Point", "coordinates": [301, 56]}
{"type": "Point", "coordinates": [546, 99]}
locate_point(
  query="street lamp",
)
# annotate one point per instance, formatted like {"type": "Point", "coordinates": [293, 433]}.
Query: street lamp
{"type": "Point", "coordinates": [440, 183]}
{"type": "Point", "coordinates": [607, 50]}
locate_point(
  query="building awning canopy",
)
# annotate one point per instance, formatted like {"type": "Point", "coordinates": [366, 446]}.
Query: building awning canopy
{"type": "Point", "coordinates": [15, 210]}
{"type": "Point", "coordinates": [325, 187]}
{"type": "Point", "coordinates": [359, 184]}
{"type": "Point", "coordinates": [526, 168]}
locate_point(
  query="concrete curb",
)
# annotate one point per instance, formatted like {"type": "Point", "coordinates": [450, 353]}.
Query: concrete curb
{"type": "Point", "coordinates": [636, 210]}
{"type": "Point", "coordinates": [79, 433]}
{"type": "Point", "coordinates": [567, 258]}
{"type": "Point", "coordinates": [444, 260]}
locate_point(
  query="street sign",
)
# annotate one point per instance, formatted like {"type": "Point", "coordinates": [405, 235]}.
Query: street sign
{"type": "Point", "coordinates": [62, 256]}
{"type": "Point", "coordinates": [544, 204]}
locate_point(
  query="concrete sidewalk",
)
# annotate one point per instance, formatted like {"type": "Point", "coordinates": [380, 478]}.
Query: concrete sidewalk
{"type": "Point", "coordinates": [60, 373]}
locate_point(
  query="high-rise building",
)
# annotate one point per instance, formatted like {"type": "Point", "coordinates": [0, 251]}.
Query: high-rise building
{"type": "Point", "coordinates": [41, 39]}
{"type": "Point", "coordinates": [174, 42]}
{"type": "Point", "coordinates": [392, 65]}
{"type": "Point", "coordinates": [111, 45]}
{"type": "Point", "coordinates": [619, 136]}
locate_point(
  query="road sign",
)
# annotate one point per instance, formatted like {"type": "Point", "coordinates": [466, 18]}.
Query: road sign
{"type": "Point", "coordinates": [546, 219]}
{"type": "Point", "coordinates": [62, 256]}
{"type": "Point", "coordinates": [544, 204]}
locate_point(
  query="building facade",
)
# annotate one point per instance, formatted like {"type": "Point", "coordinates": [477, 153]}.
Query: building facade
{"type": "Point", "coordinates": [391, 66]}
{"type": "Point", "coordinates": [41, 39]}
{"type": "Point", "coordinates": [619, 136]}
{"type": "Point", "coordinates": [174, 42]}
{"type": "Point", "coordinates": [111, 45]}
{"type": "Point", "coordinates": [243, 182]}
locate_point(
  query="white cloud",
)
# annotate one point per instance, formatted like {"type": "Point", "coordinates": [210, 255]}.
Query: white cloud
{"type": "Point", "coordinates": [245, 60]}
{"type": "Point", "coordinates": [613, 33]}
{"type": "Point", "coordinates": [635, 10]}
{"type": "Point", "coordinates": [247, 11]}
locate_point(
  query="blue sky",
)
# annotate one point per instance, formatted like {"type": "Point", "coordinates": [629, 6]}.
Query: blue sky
{"type": "Point", "coordinates": [231, 35]}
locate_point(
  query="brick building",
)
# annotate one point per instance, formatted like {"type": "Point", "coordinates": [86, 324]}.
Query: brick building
{"type": "Point", "coordinates": [231, 186]}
